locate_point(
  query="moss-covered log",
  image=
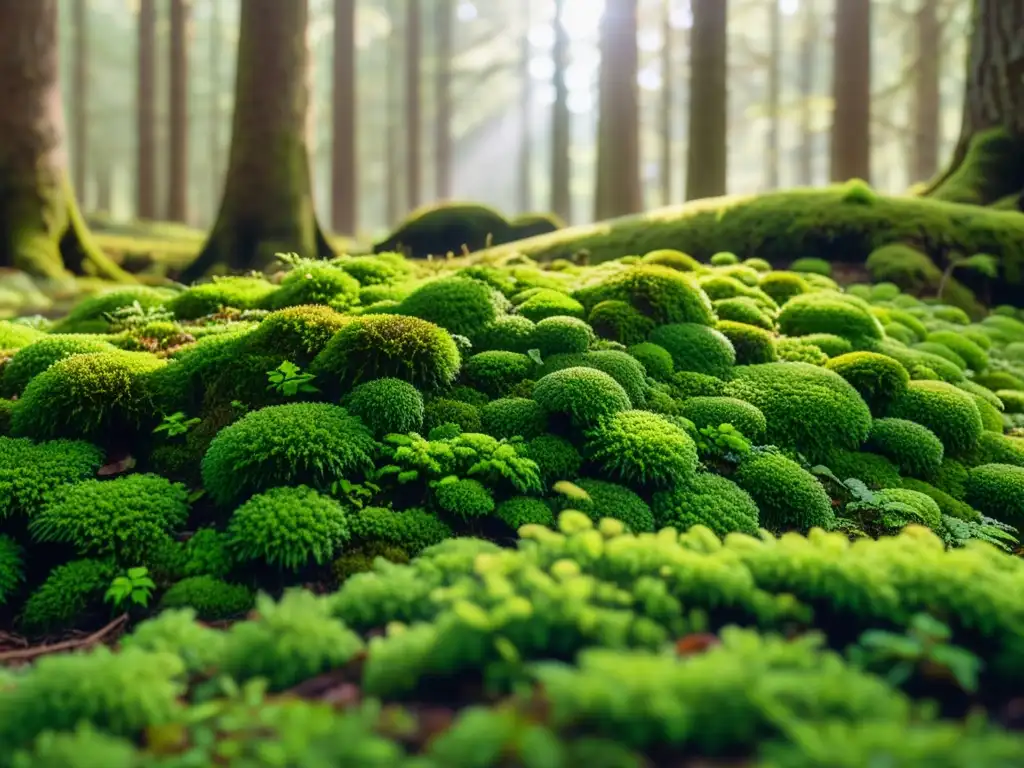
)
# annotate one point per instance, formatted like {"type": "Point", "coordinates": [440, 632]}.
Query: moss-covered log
{"type": "Point", "coordinates": [267, 205]}
{"type": "Point", "coordinates": [843, 224]}
{"type": "Point", "coordinates": [41, 229]}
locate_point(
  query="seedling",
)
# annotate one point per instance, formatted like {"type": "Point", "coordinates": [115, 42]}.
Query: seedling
{"type": "Point", "coordinates": [289, 380]}
{"type": "Point", "coordinates": [135, 587]}
{"type": "Point", "coordinates": [175, 424]}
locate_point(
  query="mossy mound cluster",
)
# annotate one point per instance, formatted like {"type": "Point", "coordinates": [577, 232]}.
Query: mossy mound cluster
{"type": "Point", "coordinates": [553, 481]}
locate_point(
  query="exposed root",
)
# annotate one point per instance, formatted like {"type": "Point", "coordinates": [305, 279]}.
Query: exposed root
{"type": "Point", "coordinates": [37, 651]}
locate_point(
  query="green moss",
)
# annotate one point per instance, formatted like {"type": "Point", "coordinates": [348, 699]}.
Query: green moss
{"type": "Point", "coordinates": [523, 510]}
{"type": "Point", "coordinates": [562, 335]}
{"type": "Point", "coordinates": [708, 500]}
{"type": "Point", "coordinates": [412, 530]}
{"type": "Point", "coordinates": [513, 416]}
{"type": "Point", "coordinates": [457, 304]}
{"type": "Point", "coordinates": [655, 359]}
{"type": "Point", "coordinates": [829, 343]}
{"type": "Point", "coordinates": [788, 496]}
{"type": "Point", "coordinates": [947, 411]}
{"type": "Point", "coordinates": [91, 315]}
{"type": "Point", "coordinates": [447, 228]}
{"type": "Point", "coordinates": [547, 302]}
{"type": "Point", "coordinates": [30, 472]}
{"type": "Point", "coordinates": [877, 378]}
{"type": "Point", "coordinates": [947, 504]}
{"type": "Point", "coordinates": [799, 351]}
{"type": "Point", "coordinates": [997, 490]}
{"type": "Point", "coordinates": [36, 357]}
{"type": "Point", "coordinates": [621, 366]}
{"type": "Point", "coordinates": [510, 333]}
{"type": "Point", "coordinates": [604, 499]}
{"type": "Point", "coordinates": [68, 594]}
{"type": "Point", "coordinates": [996, 448]}
{"type": "Point", "coordinates": [921, 503]}
{"type": "Point", "coordinates": [812, 265]}
{"type": "Point", "coordinates": [446, 411]}
{"type": "Point", "coordinates": [661, 293]}
{"type": "Point", "coordinates": [874, 470]}
{"type": "Point", "coordinates": [210, 598]}
{"type": "Point", "coordinates": [642, 449]}
{"type": "Point", "coordinates": [696, 348]}
{"type": "Point", "coordinates": [942, 351]}
{"type": "Point", "coordinates": [314, 283]}
{"type": "Point", "coordinates": [715, 411]}
{"type": "Point", "coordinates": [301, 443]}
{"type": "Point", "coordinates": [496, 371]}
{"type": "Point", "coordinates": [915, 449]}
{"type": "Point", "coordinates": [15, 335]}
{"type": "Point", "coordinates": [838, 314]}
{"type": "Point", "coordinates": [971, 353]}
{"type": "Point", "coordinates": [233, 292]}
{"type": "Point", "coordinates": [379, 269]}
{"type": "Point", "coordinates": [744, 310]}
{"type": "Point", "coordinates": [297, 334]}
{"type": "Point", "coordinates": [557, 459]}
{"type": "Point", "coordinates": [465, 498]}
{"type": "Point", "coordinates": [751, 343]}
{"type": "Point", "coordinates": [619, 321]}
{"type": "Point", "coordinates": [585, 395]}
{"type": "Point", "coordinates": [386, 406]}
{"type": "Point", "coordinates": [668, 257]}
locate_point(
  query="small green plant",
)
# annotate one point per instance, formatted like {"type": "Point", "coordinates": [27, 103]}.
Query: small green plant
{"type": "Point", "coordinates": [865, 512]}
{"type": "Point", "coordinates": [134, 587]}
{"type": "Point", "coordinates": [956, 532]}
{"type": "Point", "coordinates": [982, 263]}
{"type": "Point", "coordinates": [924, 650]}
{"type": "Point", "coordinates": [724, 442]}
{"type": "Point", "coordinates": [356, 495]}
{"type": "Point", "coordinates": [289, 380]}
{"type": "Point", "coordinates": [135, 316]}
{"type": "Point", "coordinates": [176, 424]}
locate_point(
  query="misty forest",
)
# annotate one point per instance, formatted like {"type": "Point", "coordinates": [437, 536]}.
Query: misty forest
{"type": "Point", "coordinates": [511, 383]}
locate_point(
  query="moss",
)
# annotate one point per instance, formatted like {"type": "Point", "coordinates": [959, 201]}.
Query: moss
{"type": "Point", "coordinates": [90, 315]}
{"type": "Point", "coordinates": [465, 498]}
{"type": "Point", "coordinates": [210, 598]}
{"type": "Point", "coordinates": [752, 344]}
{"type": "Point", "coordinates": [952, 478]}
{"type": "Point", "coordinates": [838, 314]}
{"type": "Point", "coordinates": [921, 503]}
{"type": "Point", "coordinates": [874, 470]}
{"type": "Point", "coordinates": [380, 269]}
{"type": "Point", "coordinates": [916, 360]}
{"type": "Point", "coordinates": [708, 500]}
{"type": "Point", "coordinates": [604, 499]}
{"type": "Point", "coordinates": [696, 348]}
{"type": "Point", "coordinates": [661, 293]}
{"type": "Point", "coordinates": [690, 384]}
{"type": "Point", "coordinates": [496, 371]}
{"type": "Point", "coordinates": [799, 351]}
{"type": "Point", "coordinates": [233, 292]}
{"type": "Point", "coordinates": [621, 366]}
{"type": "Point", "coordinates": [947, 411]}
{"type": "Point", "coordinates": [724, 259]}
{"type": "Point", "coordinates": [744, 310]}
{"type": "Point", "coordinates": [808, 408]}
{"type": "Point", "coordinates": [30, 472]}
{"type": "Point", "coordinates": [362, 560]}
{"type": "Point", "coordinates": [512, 417]}
{"type": "Point", "coordinates": [557, 459]}
{"type": "Point", "coordinates": [782, 286]}
{"type": "Point", "coordinates": [915, 449]}
{"type": "Point", "coordinates": [1012, 400]}
{"type": "Point", "coordinates": [947, 504]}
{"type": "Point", "coordinates": [14, 336]}
{"type": "Point", "coordinates": [668, 257]}
{"type": "Point", "coordinates": [523, 510]}
{"type": "Point", "coordinates": [297, 334]}
{"type": "Point", "coordinates": [715, 411]}
{"type": "Point", "coordinates": [788, 496]}
{"type": "Point", "coordinates": [656, 360]}
{"type": "Point", "coordinates": [562, 335]}
{"type": "Point", "coordinates": [812, 265]}
{"type": "Point", "coordinates": [619, 321]}
{"type": "Point", "coordinates": [447, 228]}
{"type": "Point", "coordinates": [300, 443]}
{"type": "Point", "coordinates": [457, 304]}
{"type": "Point", "coordinates": [997, 490]}
{"type": "Point", "coordinates": [445, 411]}
{"type": "Point", "coordinates": [510, 333]}
{"type": "Point", "coordinates": [996, 448]}
{"type": "Point", "coordinates": [995, 380]}
{"type": "Point", "coordinates": [547, 302]}
{"type": "Point", "coordinates": [387, 406]}
{"type": "Point", "coordinates": [585, 395]}
{"type": "Point", "coordinates": [877, 378]}
{"type": "Point", "coordinates": [942, 351]}
{"type": "Point", "coordinates": [642, 449]}
{"type": "Point", "coordinates": [69, 593]}
{"type": "Point", "coordinates": [388, 346]}
{"type": "Point", "coordinates": [96, 396]}
{"type": "Point", "coordinates": [411, 530]}
{"type": "Point", "coordinates": [971, 353]}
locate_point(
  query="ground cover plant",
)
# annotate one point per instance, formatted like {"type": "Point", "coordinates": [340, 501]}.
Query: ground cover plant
{"type": "Point", "coordinates": [493, 512]}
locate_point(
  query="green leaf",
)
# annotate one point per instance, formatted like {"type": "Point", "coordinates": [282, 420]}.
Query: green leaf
{"type": "Point", "coordinates": [137, 573]}
{"type": "Point", "coordinates": [982, 263]}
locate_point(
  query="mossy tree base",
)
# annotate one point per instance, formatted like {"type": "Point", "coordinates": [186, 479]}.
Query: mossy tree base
{"type": "Point", "coordinates": [988, 169]}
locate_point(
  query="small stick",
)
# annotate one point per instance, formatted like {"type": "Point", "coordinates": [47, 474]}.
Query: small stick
{"type": "Point", "coordinates": [27, 654]}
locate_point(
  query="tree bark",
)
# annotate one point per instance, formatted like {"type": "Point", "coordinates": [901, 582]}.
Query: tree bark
{"type": "Point", "coordinates": [774, 95]}
{"type": "Point", "coordinates": [988, 163]}
{"type": "Point", "coordinates": [104, 177]}
{"type": "Point", "coordinates": [267, 205]}
{"type": "Point", "coordinates": [392, 163]}
{"type": "Point", "coordinates": [927, 94]}
{"type": "Point", "coordinates": [851, 91]}
{"type": "Point", "coordinates": [707, 154]}
{"type": "Point", "coordinates": [807, 84]}
{"type": "Point", "coordinates": [214, 127]}
{"type": "Point", "coordinates": [146, 112]}
{"type": "Point", "coordinates": [444, 19]}
{"type": "Point", "coordinates": [667, 102]}
{"type": "Point", "coordinates": [344, 166]}
{"type": "Point", "coordinates": [177, 203]}
{"type": "Point", "coordinates": [561, 167]}
{"type": "Point", "coordinates": [80, 93]}
{"type": "Point", "coordinates": [41, 229]}
{"type": "Point", "coordinates": [413, 110]}
{"type": "Point", "coordinates": [618, 134]}
{"type": "Point", "coordinates": [524, 192]}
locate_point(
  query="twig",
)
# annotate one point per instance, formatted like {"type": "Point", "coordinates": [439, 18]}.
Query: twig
{"type": "Point", "coordinates": [27, 654]}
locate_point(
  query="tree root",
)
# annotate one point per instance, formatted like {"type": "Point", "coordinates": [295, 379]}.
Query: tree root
{"type": "Point", "coordinates": [35, 652]}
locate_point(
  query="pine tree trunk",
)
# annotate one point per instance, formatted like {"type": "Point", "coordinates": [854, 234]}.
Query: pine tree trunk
{"type": "Point", "coordinates": [988, 163]}
{"type": "Point", "coordinates": [851, 91]}
{"type": "Point", "coordinates": [214, 152]}
{"type": "Point", "coordinates": [41, 229]}
{"type": "Point", "coordinates": [807, 83]}
{"type": "Point", "coordinates": [707, 152]}
{"type": "Point", "coordinates": [774, 95]}
{"type": "Point", "coordinates": [392, 161]}
{"type": "Point", "coordinates": [927, 98]}
{"type": "Point", "coordinates": [267, 205]}
{"type": "Point", "coordinates": [618, 133]}
{"type": "Point", "coordinates": [344, 166]}
{"type": "Point", "coordinates": [667, 102]}
{"type": "Point", "coordinates": [444, 19]}
{"type": "Point", "coordinates": [177, 206]}
{"type": "Point", "coordinates": [524, 192]}
{"type": "Point", "coordinates": [146, 112]}
{"type": "Point", "coordinates": [80, 93]}
{"type": "Point", "coordinates": [561, 168]}
{"type": "Point", "coordinates": [413, 107]}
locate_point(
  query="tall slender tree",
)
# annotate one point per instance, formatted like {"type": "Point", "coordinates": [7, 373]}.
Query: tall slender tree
{"type": "Point", "coordinates": [987, 166]}
{"type": "Point", "coordinates": [413, 106]}
{"type": "Point", "coordinates": [41, 229]}
{"type": "Point", "coordinates": [668, 66]}
{"type": "Point", "coordinates": [808, 87]}
{"type": "Point", "coordinates": [709, 117]}
{"type": "Point", "coordinates": [79, 92]}
{"type": "Point", "coordinates": [927, 91]}
{"type": "Point", "coordinates": [392, 146]}
{"type": "Point", "coordinates": [774, 94]}
{"type": "Point", "coordinates": [444, 20]}
{"type": "Point", "coordinates": [524, 189]}
{"type": "Point", "coordinates": [145, 167]}
{"type": "Point", "coordinates": [214, 151]}
{"type": "Point", "coordinates": [561, 164]}
{"type": "Point", "coordinates": [618, 131]}
{"type": "Point", "coordinates": [267, 205]}
{"type": "Point", "coordinates": [851, 91]}
{"type": "Point", "coordinates": [344, 166]}
{"type": "Point", "coordinates": [177, 206]}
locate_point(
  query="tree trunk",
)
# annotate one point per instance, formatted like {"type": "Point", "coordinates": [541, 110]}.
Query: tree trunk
{"type": "Point", "coordinates": [774, 95]}
{"type": "Point", "coordinates": [413, 111]}
{"type": "Point", "coordinates": [41, 229]}
{"type": "Point", "coordinates": [392, 163]}
{"type": "Point", "coordinates": [80, 93]}
{"type": "Point", "coordinates": [807, 83]}
{"type": "Point", "coordinates": [146, 112]}
{"type": "Point", "coordinates": [927, 98]}
{"type": "Point", "coordinates": [524, 194]}
{"type": "Point", "coordinates": [104, 177]}
{"type": "Point", "coordinates": [851, 91]}
{"type": "Point", "coordinates": [667, 102]}
{"type": "Point", "coordinates": [988, 163]}
{"type": "Point", "coordinates": [214, 126]}
{"type": "Point", "coordinates": [561, 168]}
{"type": "Point", "coordinates": [708, 148]}
{"type": "Point", "coordinates": [177, 204]}
{"type": "Point", "coordinates": [267, 206]}
{"type": "Point", "coordinates": [344, 167]}
{"type": "Point", "coordinates": [618, 134]}
{"type": "Point", "coordinates": [444, 19]}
